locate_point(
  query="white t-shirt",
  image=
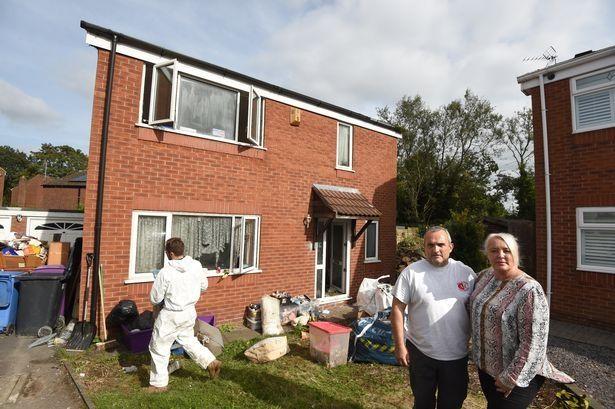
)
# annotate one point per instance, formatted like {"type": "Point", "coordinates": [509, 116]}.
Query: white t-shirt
{"type": "Point", "coordinates": [438, 323]}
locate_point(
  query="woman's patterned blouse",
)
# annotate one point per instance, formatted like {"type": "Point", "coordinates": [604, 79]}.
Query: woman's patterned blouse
{"type": "Point", "coordinates": [510, 329]}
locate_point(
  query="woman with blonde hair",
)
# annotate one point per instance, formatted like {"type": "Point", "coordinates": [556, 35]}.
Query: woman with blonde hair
{"type": "Point", "coordinates": [510, 328]}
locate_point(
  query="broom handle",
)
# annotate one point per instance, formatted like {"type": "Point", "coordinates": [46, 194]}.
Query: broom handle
{"type": "Point", "coordinates": [88, 258]}
{"type": "Point", "coordinates": [102, 302]}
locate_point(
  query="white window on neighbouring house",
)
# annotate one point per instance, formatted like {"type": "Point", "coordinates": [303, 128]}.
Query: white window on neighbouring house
{"type": "Point", "coordinates": [175, 99]}
{"type": "Point", "coordinates": [371, 242]}
{"type": "Point", "coordinates": [344, 146]}
{"type": "Point", "coordinates": [596, 239]}
{"type": "Point", "coordinates": [593, 100]}
{"type": "Point", "coordinates": [220, 242]}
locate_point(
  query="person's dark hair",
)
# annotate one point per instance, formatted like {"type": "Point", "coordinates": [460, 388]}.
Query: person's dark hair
{"type": "Point", "coordinates": [174, 245]}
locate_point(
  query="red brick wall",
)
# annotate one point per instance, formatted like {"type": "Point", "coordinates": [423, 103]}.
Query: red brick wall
{"type": "Point", "coordinates": [582, 172]}
{"type": "Point", "coordinates": [149, 170]}
{"type": "Point", "coordinates": [62, 198]}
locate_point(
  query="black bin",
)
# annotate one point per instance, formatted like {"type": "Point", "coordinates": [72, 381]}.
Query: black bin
{"type": "Point", "coordinates": [40, 297]}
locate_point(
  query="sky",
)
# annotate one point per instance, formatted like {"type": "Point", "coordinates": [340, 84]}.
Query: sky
{"type": "Point", "coordinates": [361, 55]}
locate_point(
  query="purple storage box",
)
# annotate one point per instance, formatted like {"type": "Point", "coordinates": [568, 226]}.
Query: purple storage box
{"type": "Point", "coordinates": [209, 319]}
{"type": "Point", "coordinates": [136, 341]}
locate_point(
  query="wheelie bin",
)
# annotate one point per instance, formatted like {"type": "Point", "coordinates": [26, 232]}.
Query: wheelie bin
{"type": "Point", "coordinates": [9, 296]}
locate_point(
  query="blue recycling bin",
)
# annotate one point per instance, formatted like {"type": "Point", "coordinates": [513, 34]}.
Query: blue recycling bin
{"type": "Point", "coordinates": [9, 297]}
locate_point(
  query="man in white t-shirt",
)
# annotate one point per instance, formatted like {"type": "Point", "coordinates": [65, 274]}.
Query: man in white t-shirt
{"type": "Point", "coordinates": [435, 346]}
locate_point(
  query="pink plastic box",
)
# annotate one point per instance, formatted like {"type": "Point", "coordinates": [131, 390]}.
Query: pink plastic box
{"type": "Point", "coordinates": [329, 343]}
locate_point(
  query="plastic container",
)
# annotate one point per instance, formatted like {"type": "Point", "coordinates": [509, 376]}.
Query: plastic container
{"type": "Point", "coordinates": [136, 341]}
{"type": "Point", "coordinates": [209, 319]}
{"type": "Point", "coordinates": [329, 343]}
{"type": "Point", "coordinates": [40, 296]}
{"type": "Point", "coordinates": [9, 298]}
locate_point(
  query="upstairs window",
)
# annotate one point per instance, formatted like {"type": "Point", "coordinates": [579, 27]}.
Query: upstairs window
{"type": "Point", "coordinates": [596, 239]}
{"type": "Point", "coordinates": [594, 101]}
{"type": "Point", "coordinates": [175, 99]}
{"type": "Point", "coordinates": [344, 146]}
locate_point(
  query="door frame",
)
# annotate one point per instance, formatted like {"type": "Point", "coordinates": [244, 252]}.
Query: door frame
{"type": "Point", "coordinates": [326, 262]}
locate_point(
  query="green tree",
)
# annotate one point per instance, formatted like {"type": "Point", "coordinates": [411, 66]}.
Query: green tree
{"type": "Point", "coordinates": [518, 137]}
{"type": "Point", "coordinates": [14, 162]}
{"type": "Point", "coordinates": [57, 161]}
{"type": "Point", "coordinates": [446, 158]}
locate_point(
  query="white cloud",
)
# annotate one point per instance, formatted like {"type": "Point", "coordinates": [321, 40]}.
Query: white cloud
{"type": "Point", "coordinates": [365, 54]}
{"type": "Point", "coordinates": [21, 108]}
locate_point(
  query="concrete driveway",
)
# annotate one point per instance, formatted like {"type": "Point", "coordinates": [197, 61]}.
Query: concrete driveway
{"type": "Point", "coordinates": [34, 378]}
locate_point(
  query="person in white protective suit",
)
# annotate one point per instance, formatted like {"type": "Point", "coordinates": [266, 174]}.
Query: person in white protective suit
{"type": "Point", "coordinates": [178, 287]}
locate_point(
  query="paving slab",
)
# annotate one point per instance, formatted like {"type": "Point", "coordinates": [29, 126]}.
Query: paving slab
{"type": "Point", "coordinates": [240, 334]}
{"type": "Point", "coordinates": [582, 333]}
{"type": "Point", "coordinates": [34, 378]}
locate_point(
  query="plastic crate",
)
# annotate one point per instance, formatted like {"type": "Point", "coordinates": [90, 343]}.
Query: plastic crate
{"type": "Point", "coordinates": [329, 343]}
{"type": "Point", "coordinates": [209, 319]}
{"type": "Point", "coordinates": [136, 341]}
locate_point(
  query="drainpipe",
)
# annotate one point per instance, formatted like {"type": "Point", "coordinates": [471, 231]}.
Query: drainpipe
{"type": "Point", "coordinates": [101, 180]}
{"type": "Point", "coordinates": [545, 148]}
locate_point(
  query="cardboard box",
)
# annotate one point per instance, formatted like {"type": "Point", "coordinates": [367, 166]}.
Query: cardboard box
{"type": "Point", "coordinates": [58, 253]}
{"type": "Point", "coordinates": [33, 261]}
{"type": "Point", "coordinates": [12, 262]}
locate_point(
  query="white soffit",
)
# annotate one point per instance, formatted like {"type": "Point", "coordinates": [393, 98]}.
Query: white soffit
{"type": "Point", "coordinates": [105, 44]}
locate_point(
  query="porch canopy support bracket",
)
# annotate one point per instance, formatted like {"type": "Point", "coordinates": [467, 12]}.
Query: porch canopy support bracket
{"type": "Point", "coordinates": [356, 236]}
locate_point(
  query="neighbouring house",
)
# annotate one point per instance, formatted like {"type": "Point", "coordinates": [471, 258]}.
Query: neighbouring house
{"type": "Point", "coordinates": [574, 125]}
{"type": "Point", "coordinates": [277, 189]}
{"type": "Point", "coordinates": [41, 224]}
{"type": "Point", "coordinates": [44, 192]}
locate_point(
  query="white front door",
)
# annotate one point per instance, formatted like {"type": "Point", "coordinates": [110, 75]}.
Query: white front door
{"type": "Point", "coordinates": [332, 262]}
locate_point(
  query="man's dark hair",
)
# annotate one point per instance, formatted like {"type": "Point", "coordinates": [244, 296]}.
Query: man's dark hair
{"type": "Point", "coordinates": [175, 245]}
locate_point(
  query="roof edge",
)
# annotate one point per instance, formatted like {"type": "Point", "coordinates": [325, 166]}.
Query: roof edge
{"type": "Point", "coordinates": [126, 39]}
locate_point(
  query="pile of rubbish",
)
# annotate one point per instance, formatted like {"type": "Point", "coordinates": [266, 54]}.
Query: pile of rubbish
{"type": "Point", "coordinates": [280, 308]}
{"type": "Point", "coordinates": [18, 245]}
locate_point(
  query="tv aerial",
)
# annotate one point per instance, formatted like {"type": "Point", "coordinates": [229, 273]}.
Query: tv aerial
{"type": "Point", "coordinates": [549, 55]}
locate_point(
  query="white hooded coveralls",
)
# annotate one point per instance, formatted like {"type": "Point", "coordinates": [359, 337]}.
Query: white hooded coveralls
{"type": "Point", "coordinates": [179, 284]}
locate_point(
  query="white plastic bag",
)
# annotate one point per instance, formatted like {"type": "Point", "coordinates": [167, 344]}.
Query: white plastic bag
{"type": "Point", "coordinates": [270, 314]}
{"type": "Point", "coordinates": [371, 298]}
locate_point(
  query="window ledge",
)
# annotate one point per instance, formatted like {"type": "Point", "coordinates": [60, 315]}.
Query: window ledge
{"type": "Point", "coordinates": [344, 169]}
{"type": "Point", "coordinates": [593, 128]}
{"type": "Point", "coordinates": [209, 274]}
{"type": "Point", "coordinates": [596, 269]}
{"type": "Point", "coordinates": [197, 135]}
{"type": "Point", "coordinates": [371, 261]}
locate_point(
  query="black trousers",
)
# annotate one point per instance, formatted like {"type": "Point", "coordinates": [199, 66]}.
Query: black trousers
{"type": "Point", "coordinates": [428, 375]}
{"type": "Point", "coordinates": [519, 398]}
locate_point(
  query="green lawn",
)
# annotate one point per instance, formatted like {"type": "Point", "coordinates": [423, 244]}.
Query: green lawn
{"type": "Point", "coordinates": [293, 381]}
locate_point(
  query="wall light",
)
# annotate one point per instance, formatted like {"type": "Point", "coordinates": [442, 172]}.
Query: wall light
{"type": "Point", "coordinates": [306, 220]}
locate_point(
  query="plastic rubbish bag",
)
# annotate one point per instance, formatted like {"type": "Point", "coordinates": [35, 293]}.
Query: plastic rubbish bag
{"type": "Point", "coordinates": [270, 312]}
{"type": "Point", "coordinates": [267, 350]}
{"type": "Point", "coordinates": [123, 313]}
{"type": "Point", "coordinates": [374, 296]}
{"type": "Point", "coordinates": [372, 340]}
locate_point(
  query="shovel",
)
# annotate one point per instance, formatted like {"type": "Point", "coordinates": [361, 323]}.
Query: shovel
{"type": "Point", "coordinates": [84, 331]}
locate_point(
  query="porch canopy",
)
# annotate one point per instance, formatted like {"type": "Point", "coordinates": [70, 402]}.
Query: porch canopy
{"type": "Point", "coordinates": [337, 202]}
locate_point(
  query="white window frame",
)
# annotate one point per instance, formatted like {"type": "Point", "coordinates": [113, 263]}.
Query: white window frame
{"type": "Point", "coordinates": [133, 277]}
{"type": "Point", "coordinates": [581, 225]}
{"type": "Point", "coordinates": [350, 147]}
{"type": "Point", "coordinates": [374, 259]}
{"type": "Point", "coordinates": [576, 93]}
{"type": "Point", "coordinates": [181, 70]}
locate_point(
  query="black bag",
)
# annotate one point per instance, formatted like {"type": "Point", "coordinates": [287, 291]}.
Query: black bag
{"type": "Point", "coordinates": [125, 312]}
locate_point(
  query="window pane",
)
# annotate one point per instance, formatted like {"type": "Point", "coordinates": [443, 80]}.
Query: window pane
{"type": "Point", "coordinates": [164, 86]}
{"type": "Point", "coordinates": [207, 109]}
{"type": "Point", "coordinates": [598, 79]}
{"type": "Point", "coordinates": [256, 120]}
{"type": "Point", "coordinates": [594, 108]}
{"type": "Point", "coordinates": [599, 217]}
{"type": "Point", "coordinates": [151, 233]}
{"type": "Point", "coordinates": [248, 243]}
{"type": "Point", "coordinates": [237, 242]}
{"type": "Point", "coordinates": [207, 239]}
{"type": "Point", "coordinates": [598, 248]}
{"type": "Point", "coordinates": [371, 240]}
{"type": "Point", "coordinates": [343, 145]}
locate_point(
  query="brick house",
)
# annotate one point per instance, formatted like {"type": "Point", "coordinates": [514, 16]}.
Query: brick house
{"type": "Point", "coordinates": [44, 192]}
{"type": "Point", "coordinates": [576, 124]}
{"type": "Point", "coordinates": [281, 190]}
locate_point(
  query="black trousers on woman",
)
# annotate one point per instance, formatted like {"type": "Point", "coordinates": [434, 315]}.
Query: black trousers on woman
{"type": "Point", "coordinates": [519, 398]}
